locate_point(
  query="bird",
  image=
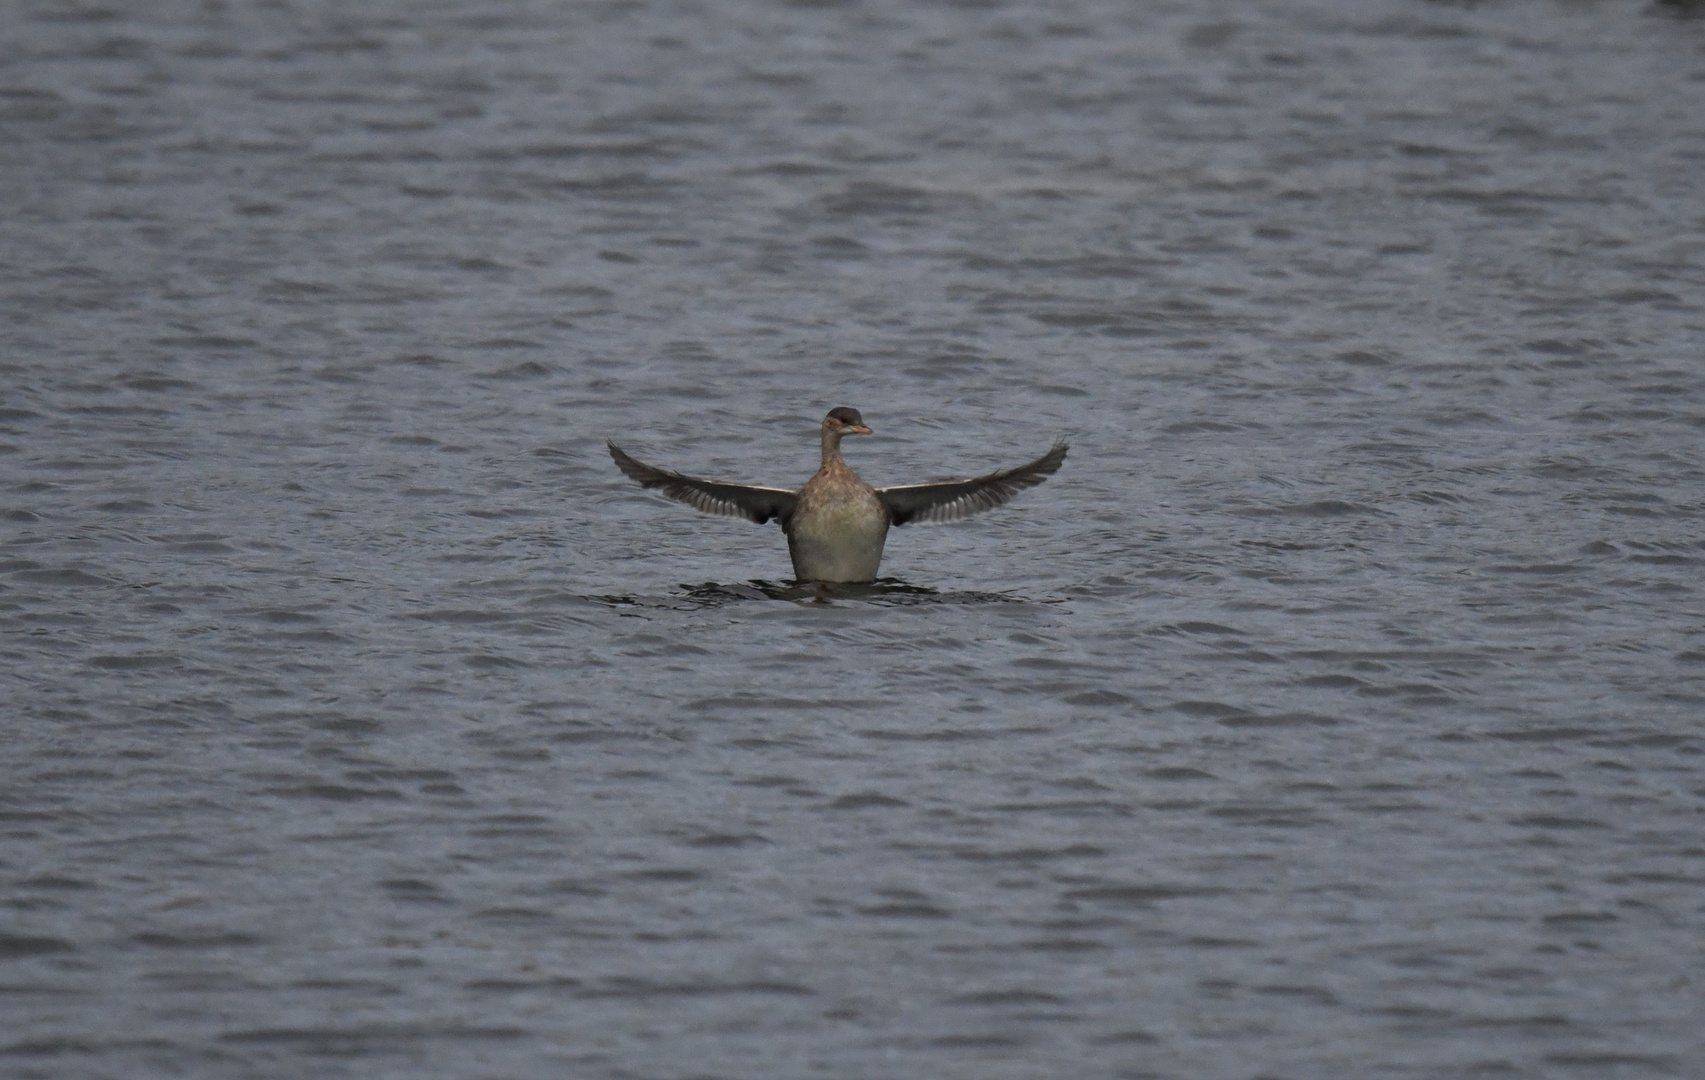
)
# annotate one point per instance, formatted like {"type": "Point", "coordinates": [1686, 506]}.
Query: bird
{"type": "Point", "coordinates": [836, 524]}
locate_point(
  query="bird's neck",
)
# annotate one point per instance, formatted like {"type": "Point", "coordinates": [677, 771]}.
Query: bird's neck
{"type": "Point", "coordinates": [832, 449]}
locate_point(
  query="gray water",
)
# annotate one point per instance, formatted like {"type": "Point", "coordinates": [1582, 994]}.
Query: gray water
{"type": "Point", "coordinates": [1334, 712]}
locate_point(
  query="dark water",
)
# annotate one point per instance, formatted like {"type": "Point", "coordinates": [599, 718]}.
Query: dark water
{"type": "Point", "coordinates": [1335, 712]}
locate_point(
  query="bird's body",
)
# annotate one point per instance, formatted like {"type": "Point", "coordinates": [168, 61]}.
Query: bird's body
{"type": "Point", "coordinates": [838, 528]}
{"type": "Point", "coordinates": [837, 524]}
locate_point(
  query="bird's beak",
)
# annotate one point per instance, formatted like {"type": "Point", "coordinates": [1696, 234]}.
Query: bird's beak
{"type": "Point", "coordinates": [860, 429]}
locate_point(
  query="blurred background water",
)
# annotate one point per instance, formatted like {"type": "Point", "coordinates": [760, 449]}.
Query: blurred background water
{"type": "Point", "coordinates": [1335, 711]}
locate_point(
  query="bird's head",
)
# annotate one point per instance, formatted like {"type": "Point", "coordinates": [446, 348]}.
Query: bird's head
{"type": "Point", "coordinates": [845, 421]}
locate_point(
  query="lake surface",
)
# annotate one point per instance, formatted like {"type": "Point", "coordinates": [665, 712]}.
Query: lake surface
{"type": "Point", "coordinates": [1336, 711]}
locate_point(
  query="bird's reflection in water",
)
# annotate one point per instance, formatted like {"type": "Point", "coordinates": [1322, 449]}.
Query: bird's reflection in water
{"type": "Point", "coordinates": [886, 591]}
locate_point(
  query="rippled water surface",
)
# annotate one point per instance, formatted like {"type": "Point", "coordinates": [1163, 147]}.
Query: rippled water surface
{"type": "Point", "coordinates": [1334, 712]}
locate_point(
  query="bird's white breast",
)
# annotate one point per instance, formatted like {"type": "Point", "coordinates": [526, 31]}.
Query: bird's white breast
{"type": "Point", "coordinates": [838, 539]}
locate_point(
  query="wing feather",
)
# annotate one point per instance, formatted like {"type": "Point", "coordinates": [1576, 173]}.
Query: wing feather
{"type": "Point", "coordinates": [949, 500]}
{"type": "Point", "coordinates": [758, 504]}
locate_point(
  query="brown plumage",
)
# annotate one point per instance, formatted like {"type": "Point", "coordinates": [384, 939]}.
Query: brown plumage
{"type": "Point", "coordinates": [837, 524]}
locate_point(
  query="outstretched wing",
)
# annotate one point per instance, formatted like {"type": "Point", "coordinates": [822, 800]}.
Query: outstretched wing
{"type": "Point", "coordinates": [758, 504]}
{"type": "Point", "coordinates": [949, 500]}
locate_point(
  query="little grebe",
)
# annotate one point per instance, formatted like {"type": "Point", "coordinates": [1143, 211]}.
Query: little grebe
{"type": "Point", "coordinates": [836, 524]}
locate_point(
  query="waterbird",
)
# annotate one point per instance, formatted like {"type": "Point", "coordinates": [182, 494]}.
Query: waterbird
{"type": "Point", "coordinates": [837, 524]}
